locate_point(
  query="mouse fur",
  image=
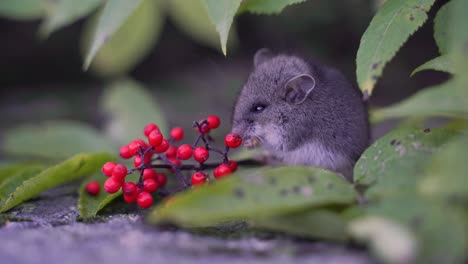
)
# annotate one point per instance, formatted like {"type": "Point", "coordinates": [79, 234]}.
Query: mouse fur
{"type": "Point", "coordinates": [302, 113]}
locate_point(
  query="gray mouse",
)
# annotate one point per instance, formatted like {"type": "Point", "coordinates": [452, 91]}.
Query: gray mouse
{"type": "Point", "coordinates": [302, 113]}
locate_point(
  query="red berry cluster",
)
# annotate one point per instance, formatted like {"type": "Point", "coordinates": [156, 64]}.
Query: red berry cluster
{"type": "Point", "coordinates": [159, 152]}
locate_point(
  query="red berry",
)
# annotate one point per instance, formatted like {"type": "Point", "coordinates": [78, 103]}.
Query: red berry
{"type": "Point", "coordinates": [184, 152]}
{"type": "Point", "coordinates": [135, 145]}
{"type": "Point", "coordinates": [119, 172]}
{"type": "Point", "coordinates": [232, 165]}
{"type": "Point", "coordinates": [162, 147]}
{"type": "Point", "coordinates": [150, 128]}
{"type": "Point", "coordinates": [233, 140]}
{"type": "Point", "coordinates": [130, 198]}
{"type": "Point", "coordinates": [221, 171]}
{"type": "Point", "coordinates": [171, 152]}
{"type": "Point", "coordinates": [198, 178]}
{"type": "Point", "coordinates": [150, 185]}
{"type": "Point", "coordinates": [108, 168]}
{"type": "Point", "coordinates": [213, 121]}
{"type": "Point", "coordinates": [161, 178]}
{"type": "Point", "coordinates": [112, 185]}
{"type": "Point", "coordinates": [155, 138]}
{"type": "Point", "coordinates": [149, 174]}
{"type": "Point", "coordinates": [177, 133]}
{"type": "Point", "coordinates": [200, 154]}
{"type": "Point", "coordinates": [93, 188]}
{"type": "Point", "coordinates": [204, 128]}
{"type": "Point", "coordinates": [145, 200]}
{"type": "Point", "coordinates": [130, 188]}
{"type": "Point", "coordinates": [130, 191]}
{"type": "Point", "coordinates": [125, 152]}
{"type": "Point", "coordinates": [138, 162]}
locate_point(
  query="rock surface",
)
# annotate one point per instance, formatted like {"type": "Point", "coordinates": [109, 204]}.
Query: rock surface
{"type": "Point", "coordinates": [49, 233]}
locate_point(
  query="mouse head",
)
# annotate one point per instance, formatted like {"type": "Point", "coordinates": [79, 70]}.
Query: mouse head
{"type": "Point", "coordinates": [275, 93]}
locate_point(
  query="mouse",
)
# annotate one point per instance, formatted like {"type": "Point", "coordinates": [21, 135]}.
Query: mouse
{"type": "Point", "coordinates": [302, 113]}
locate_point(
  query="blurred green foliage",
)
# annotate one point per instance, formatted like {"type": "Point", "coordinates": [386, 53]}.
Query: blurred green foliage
{"type": "Point", "coordinates": [412, 181]}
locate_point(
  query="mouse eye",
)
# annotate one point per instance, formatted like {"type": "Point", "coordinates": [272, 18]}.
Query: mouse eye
{"type": "Point", "coordinates": [257, 108]}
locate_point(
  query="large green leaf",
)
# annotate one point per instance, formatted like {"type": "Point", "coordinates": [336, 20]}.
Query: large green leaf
{"type": "Point", "coordinates": [64, 12]}
{"type": "Point", "coordinates": [74, 168]}
{"type": "Point", "coordinates": [441, 27]}
{"type": "Point", "coordinates": [266, 6]}
{"type": "Point", "coordinates": [192, 18]}
{"type": "Point", "coordinates": [440, 230]}
{"type": "Point", "coordinates": [395, 163]}
{"type": "Point", "coordinates": [313, 223]}
{"type": "Point", "coordinates": [263, 193]}
{"type": "Point", "coordinates": [112, 17]}
{"type": "Point", "coordinates": [9, 170]}
{"type": "Point", "coordinates": [88, 205]}
{"type": "Point", "coordinates": [458, 45]}
{"type": "Point", "coordinates": [222, 14]}
{"type": "Point", "coordinates": [442, 63]}
{"type": "Point", "coordinates": [10, 184]}
{"type": "Point", "coordinates": [130, 107]}
{"type": "Point", "coordinates": [447, 172]}
{"type": "Point", "coordinates": [130, 43]}
{"type": "Point", "coordinates": [22, 9]}
{"type": "Point", "coordinates": [393, 24]}
{"type": "Point", "coordinates": [56, 140]}
{"type": "Point", "coordinates": [444, 100]}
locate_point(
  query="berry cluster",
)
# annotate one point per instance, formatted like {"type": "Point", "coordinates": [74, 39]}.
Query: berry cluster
{"type": "Point", "coordinates": [162, 153]}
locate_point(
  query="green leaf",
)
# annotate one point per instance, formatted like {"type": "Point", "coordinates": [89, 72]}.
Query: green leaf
{"type": "Point", "coordinates": [446, 173]}
{"type": "Point", "coordinates": [55, 140]}
{"type": "Point", "coordinates": [113, 15]}
{"type": "Point", "coordinates": [458, 46]}
{"type": "Point", "coordinates": [88, 205]}
{"type": "Point", "coordinates": [266, 6]}
{"type": "Point", "coordinates": [191, 17]}
{"type": "Point", "coordinates": [22, 9]}
{"type": "Point", "coordinates": [441, 26]}
{"type": "Point", "coordinates": [10, 184]}
{"type": "Point", "coordinates": [395, 163]}
{"type": "Point", "coordinates": [130, 107]}
{"type": "Point", "coordinates": [64, 12]}
{"type": "Point", "coordinates": [442, 63]}
{"type": "Point", "coordinates": [440, 229]}
{"type": "Point", "coordinates": [314, 223]}
{"type": "Point", "coordinates": [222, 14]}
{"type": "Point", "coordinates": [130, 43]}
{"type": "Point", "coordinates": [74, 168]}
{"type": "Point", "coordinates": [10, 170]}
{"type": "Point", "coordinates": [264, 193]}
{"type": "Point", "coordinates": [444, 100]}
{"type": "Point", "coordinates": [393, 24]}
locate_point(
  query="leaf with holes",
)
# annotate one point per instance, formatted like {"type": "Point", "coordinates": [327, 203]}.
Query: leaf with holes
{"type": "Point", "coordinates": [88, 205]}
{"type": "Point", "coordinates": [64, 12]}
{"type": "Point", "coordinates": [395, 163]}
{"type": "Point", "coordinates": [263, 193]}
{"type": "Point", "coordinates": [22, 9]}
{"type": "Point", "coordinates": [393, 24]}
{"type": "Point", "coordinates": [112, 17]}
{"type": "Point", "coordinates": [128, 119]}
{"type": "Point", "coordinates": [314, 223]}
{"type": "Point", "coordinates": [444, 100]}
{"type": "Point", "coordinates": [76, 167]}
{"type": "Point", "coordinates": [222, 14]}
{"type": "Point", "coordinates": [56, 140]}
{"type": "Point", "coordinates": [266, 6]}
{"type": "Point", "coordinates": [442, 63]}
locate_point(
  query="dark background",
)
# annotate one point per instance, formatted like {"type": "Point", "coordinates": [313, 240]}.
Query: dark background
{"type": "Point", "coordinates": [42, 80]}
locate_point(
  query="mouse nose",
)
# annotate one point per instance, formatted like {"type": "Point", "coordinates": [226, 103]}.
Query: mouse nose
{"type": "Point", "coordinates": [239, 127]}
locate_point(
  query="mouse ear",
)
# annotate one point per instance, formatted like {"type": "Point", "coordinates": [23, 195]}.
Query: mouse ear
{"type": "Point", "coordinates": [298, 88]}
{"type": "Point", "coordinates": [261, 56]}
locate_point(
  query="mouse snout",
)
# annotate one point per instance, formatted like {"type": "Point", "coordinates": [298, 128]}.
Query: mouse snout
{"type": "Point", "coordinates": [248, 133]}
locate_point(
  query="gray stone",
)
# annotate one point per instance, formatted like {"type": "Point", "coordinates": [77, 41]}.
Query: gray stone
{"type": "Point", "coordinates": [52, 235]}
